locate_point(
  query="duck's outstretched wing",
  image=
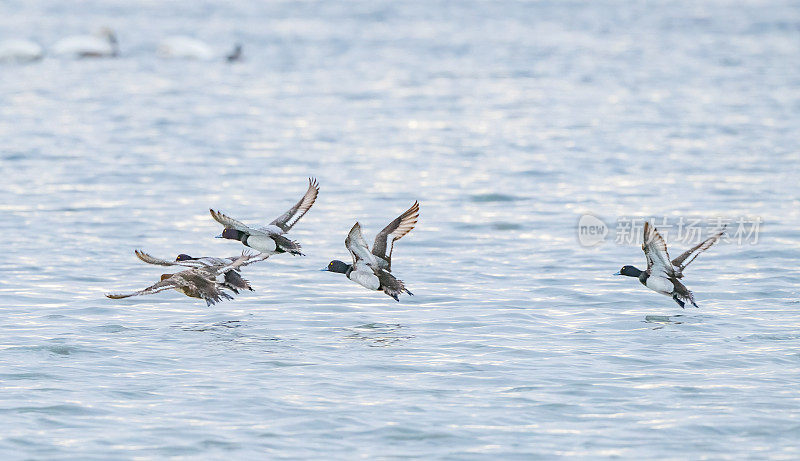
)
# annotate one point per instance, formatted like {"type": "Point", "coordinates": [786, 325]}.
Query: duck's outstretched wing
{"type": "Point", "coordinates": [153, 260]}
{"type": "Point", "coordinates": [206, 261]}
{"type": "Point", "coordinates": [165, 284]}
{"type": "Point", "coordinates": [229, 222]}
{"type": "Point", "coordinates": [358, 248]}
{"type": "Point", "coordinates": [236, 263]}
{"type": "Point", "coordinates": [655, 250]}
{"type": "Point", "coordinates": [401, 226]}
{"type": "Point", "coordinates": [287, 220]}
{"type": "Point", "coordinates": [695, 251]}
{"type": "Point", "coordinates": [253, 259]}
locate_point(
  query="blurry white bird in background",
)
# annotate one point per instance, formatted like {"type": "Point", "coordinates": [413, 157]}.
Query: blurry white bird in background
{"type": "Point", "coordinates": [20, 50]}
{"type": "Point", "coordinates": [102, 44]}
{"type": "Point", "coordinates": [183, 47]}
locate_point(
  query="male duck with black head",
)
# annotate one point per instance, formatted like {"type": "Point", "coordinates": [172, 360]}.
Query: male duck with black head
{"type": "Point", "coordinates": [270, 239]}
{"type": "Point", "coordinates": [372, 270]}
{"type": "Point", "coordinates": [662, 275]}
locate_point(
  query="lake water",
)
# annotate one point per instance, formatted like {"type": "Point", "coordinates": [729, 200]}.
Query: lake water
{"type": "Point", "coordinates": [508, 121]}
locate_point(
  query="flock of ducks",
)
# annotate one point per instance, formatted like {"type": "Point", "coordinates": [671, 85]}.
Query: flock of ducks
{"type": "Point", "coordinates": [104, 44]}
{"type": "Point", "coordinates": [215, 279]}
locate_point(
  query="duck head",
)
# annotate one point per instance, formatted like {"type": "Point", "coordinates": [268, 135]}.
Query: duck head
{"type": "Point", "coordinates": [236, 54]}
{"type": "Point", "coordinates": [184, 257]}
{"type": "Point", "coordinates": [109, 35]}
{"type": "Point", "coordinates": [232, 234]}
{"type": "Point", "coordinates": [165, 276]}
{"type": "Point", "coordinates": [337, 266]}
{"type": "Point", "coordinates": [630, 271]}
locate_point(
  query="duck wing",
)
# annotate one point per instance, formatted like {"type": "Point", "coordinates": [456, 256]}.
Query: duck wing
{"type": "Point", "coordinates": [224, 265]}
{"type": "Point", "coordinates": [358, 248]}
{"type": "Point", "coordinates": [237, 263]}
{"type": "Point", "coordinates": [227, 221]}
{"type": "Point", "coordinates": [166, 284]}
{"type": "Point", "coordinates": [233, 261]}
{"type": "Point", "coordinates": [695, 251]}
{"type": "Point", "coordinates": [199, 262]}
{"type": "Point", "coordinates": [401, 226]}
{"type": "Point", "coordinates": [287, 220]}
{"type": "Point", "coordinates": [153, 260]}
{"type": "Point", "coordinates": [655, 250]}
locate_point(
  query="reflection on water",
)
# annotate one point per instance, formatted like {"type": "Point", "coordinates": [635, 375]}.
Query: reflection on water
{"type": "Point", "coordinates": [377, 334]}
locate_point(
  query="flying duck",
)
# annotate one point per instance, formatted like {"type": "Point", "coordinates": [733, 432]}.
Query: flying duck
{"type": "Point", "coordinates": [270, 239]}
{"type": "Point", "coordinates": [103, 44]}
{"type": "Point", "coordinates": [233, 280]}
{"type": "Point", "coordinates": [372, 270]}
{"type": "Point", "coordinates": [197, 282]}
{"type": "Point", "coordinates": [662, 275]}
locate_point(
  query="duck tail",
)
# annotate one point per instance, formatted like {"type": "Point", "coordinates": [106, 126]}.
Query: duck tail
{"type": "Point", "coordinates": [690, 298]}
{"type": "Point", "coordinates": [234, 281]}
{"type": "Point", "coordinates": [392, 286]}
{"type": "Point", "coordinates": [680, 303]}
{"type": "Point", "coordinates": [287, 245]}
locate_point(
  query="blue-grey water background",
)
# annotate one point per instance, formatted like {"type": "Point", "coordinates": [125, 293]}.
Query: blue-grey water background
{"type": "Point", "coordinates": [507, 121]}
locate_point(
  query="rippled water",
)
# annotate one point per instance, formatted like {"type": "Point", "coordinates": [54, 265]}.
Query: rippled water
{"type": "Point", "coordinates": [508, 121]}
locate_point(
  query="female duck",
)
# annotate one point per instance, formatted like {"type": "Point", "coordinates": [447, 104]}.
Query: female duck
{"type": "Point", "coordinates": [270, 239]}
{"type": "Point", "coordinates": [233, 280]}
{"type": "Point", "coordinates": [662, 275]}
{"type": "Point", "coordinates": [197, 282]}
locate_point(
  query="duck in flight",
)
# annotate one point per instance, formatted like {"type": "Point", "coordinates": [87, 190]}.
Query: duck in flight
{"type": "Point", "coordinates": [663, 275]}
{"type": "Point", "coordinates": [372, 270]}
{"type": "Point", "coordinates": [233, 280]}
{"type": "Point", "coordinates": [203, 282]}
{"type": "Point", "coordinates": [270, 239]}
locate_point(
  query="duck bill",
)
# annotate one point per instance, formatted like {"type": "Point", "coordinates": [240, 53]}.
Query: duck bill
{"type": "Point", "coordinates": [218, 236]}
{"type": "Point", "coordinates": [324, 269]}
{"type": "Point", "coordinates": [618, 273]}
